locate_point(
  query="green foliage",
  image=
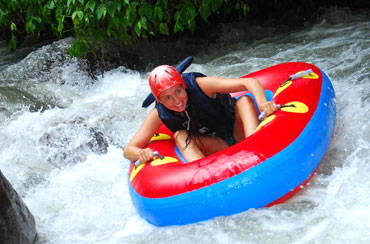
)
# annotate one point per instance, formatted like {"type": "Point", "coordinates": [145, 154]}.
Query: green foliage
{"type": "Point", "coordinates": [92, 22]}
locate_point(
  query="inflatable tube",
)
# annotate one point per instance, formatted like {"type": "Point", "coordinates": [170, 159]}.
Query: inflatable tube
{"type": "Point", "coordinates": [264, 169]}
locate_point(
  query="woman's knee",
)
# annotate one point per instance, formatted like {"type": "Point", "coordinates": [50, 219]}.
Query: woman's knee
{"type": "Point", "coordinates": [180, 134]}
{"type": "Point", "coordinates": [180, 137]}
{"type": "Point", "coordinates": [246, 118]}
{"type": "Point", "coordinates": [244, 101]}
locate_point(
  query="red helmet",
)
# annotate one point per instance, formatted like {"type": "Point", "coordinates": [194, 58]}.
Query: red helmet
{"type": "Point", "coordinates": [163, 78]}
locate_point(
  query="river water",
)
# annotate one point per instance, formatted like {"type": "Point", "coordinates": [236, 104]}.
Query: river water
{"type": "Point", "coordinates": [52, 115]}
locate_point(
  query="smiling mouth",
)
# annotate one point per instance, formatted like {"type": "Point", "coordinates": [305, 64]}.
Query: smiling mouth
{"type": "Point", "coordinates": [179, 106]}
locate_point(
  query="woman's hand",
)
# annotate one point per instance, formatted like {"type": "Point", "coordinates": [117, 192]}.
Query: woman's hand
{"type": "Point", "coordinates": [268, 107]}
{"type": "Point", "coordinates": [146, 155]}
{"type": "Point", "coordinates": [134, 150]}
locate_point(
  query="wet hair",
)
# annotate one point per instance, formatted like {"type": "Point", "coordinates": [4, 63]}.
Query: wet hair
{"type": "Point", "coordinates": [194, 114]}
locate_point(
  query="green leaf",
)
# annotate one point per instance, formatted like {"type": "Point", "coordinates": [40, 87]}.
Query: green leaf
{"type": "Point", "coordinates": [118, 6]}
{"type": "Point", "coordinates": [127, 2]}
{"type": "Point", "coordinates": [205, 9]}
{"type": "Point", "coordinates": [37, 19]}
{"type": "Point", "coordinates": [143, 23]}
{"type": "Point", "coordinates": [158, 12]}
{"type": "Point", "coordinates": [178, 27]}
{"type": "Point", "coordinates": [100, 34]}
{"type": "Point", "coordinates": [245, 9]}
{"type": "Point", "coordinates": [206, 3]}
{"type": "Point", "coordinates": [191, 24]}
{"type": "Point", "coordinates": [216, 4]}
{"type": "Point", "coordinates": [51, 5]}
{"type": "Point", "coordinates": [101, 11]}
{"type": "Point", "coordinates": [146, 10]}
{"type": "Point", "coordinates": [3, 13]}
{"type": "Point", "coordinates": [109, 29]}
{"type": "Point", "coordinates": [13, 42]}
{"type": "Point", "coordinates": [130, 15]}
{"type": "Point", "coordinates": [111, 9]}
{"type": "Point", "coordinates": [177, 16]}
{"type": "Point", "coordinates": [163, 28]}
{"type": "Point", "coordinates": [165, 3]}
{"type": "Point", "coordinates": [126, 38]}
{"type": "Point", "coordinates": [46, 10]}
{"type": "Point", "coordinates": [190, 8]}
{"type": "Point", "coordinates": [13, 4]}
{"type": "Point", "coordinates": [60, 25]}
{"type": "Point", "coordinates": [77, 14]}
{"type": "Point", "coordinates": [115, 22]}
{"type": "Point", "coordinates": [134, 4]}
{"type": "Point", "coordinates": [77, 49]}
{"type": "Point", "coordinates": [13, 27]}
{"type": "Point", "coordinates": [90, 5]}
{"type": "Point", "coordinates": [138, 28]}
{"type": "Point", "coordinates": [30, 27]}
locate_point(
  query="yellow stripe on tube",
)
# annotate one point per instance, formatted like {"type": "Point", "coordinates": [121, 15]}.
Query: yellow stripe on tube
{"type": "Point", "coordinates": [160, 137]}
{"type": "Point", "coordinates": [165, 160]}
{"type": "Point", "coordinates": [299, 107]}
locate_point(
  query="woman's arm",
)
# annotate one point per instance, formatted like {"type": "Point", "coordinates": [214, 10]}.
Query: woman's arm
{"type": "Point", "coordinates": [134, 150]}
{"type": "Point", "coordinates": [213, 85]}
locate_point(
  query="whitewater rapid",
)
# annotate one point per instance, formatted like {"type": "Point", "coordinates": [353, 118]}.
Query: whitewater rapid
{"type": "Point", "coordinates": [50, 111]}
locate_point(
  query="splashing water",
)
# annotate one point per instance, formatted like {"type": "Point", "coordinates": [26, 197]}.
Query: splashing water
{"type": "Point", "coordinates": [66, 161]}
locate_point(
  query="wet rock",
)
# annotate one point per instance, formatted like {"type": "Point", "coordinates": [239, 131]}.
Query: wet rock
{"type": "Point", "coordinates": [71, 141]}
{"type": "Point", "coordinates": [98, 143]}
{"type": "Point", "coordinates": [16, 99]}
{"type": "Point", "coordinates": [17, 225]}
{"type": "Point", "coordinates": [4, 114]}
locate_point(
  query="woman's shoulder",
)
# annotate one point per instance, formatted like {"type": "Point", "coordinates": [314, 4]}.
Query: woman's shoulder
{"type": "Point", "coordinates": [153, 114]}
{"type": "Point", "coordinates": [192, 77]}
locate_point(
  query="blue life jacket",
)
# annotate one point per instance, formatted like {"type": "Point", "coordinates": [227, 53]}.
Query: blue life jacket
{"type": "Point", "coordinates": [208, 116]}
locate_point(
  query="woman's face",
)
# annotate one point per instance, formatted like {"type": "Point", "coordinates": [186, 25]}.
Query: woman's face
{"type": "Point", "coordinates": [174, 98]}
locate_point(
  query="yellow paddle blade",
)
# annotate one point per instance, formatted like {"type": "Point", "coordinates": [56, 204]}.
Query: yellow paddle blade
{"type": "Point", "coordinates": [160, 137]}
{"type": "Point", "coordinates": [165, 160]}
{"type": "Point", "coordinates": [299, 107]}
